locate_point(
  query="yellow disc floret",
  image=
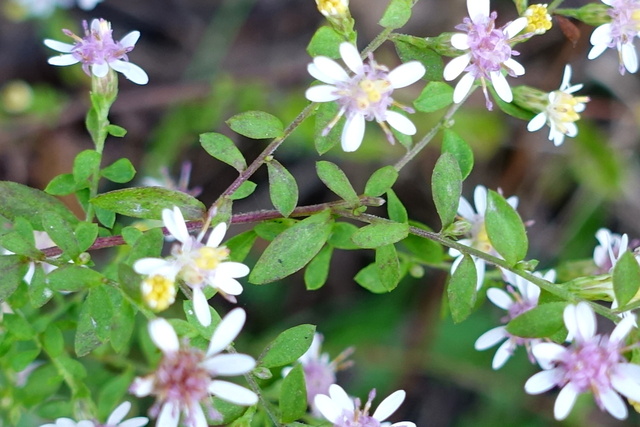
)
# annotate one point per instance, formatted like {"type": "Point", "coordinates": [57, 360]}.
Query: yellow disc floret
{"type": "Point", "coordinates": [563, 108]}
{"type": "Point", "coordinates": [158, 292]}
{"type": "Point", "coordinates": [538, 19]}
{"type": "Point", "coordinates": [208, 258]}
{"type": "Point", "coordinates": [481, 239]}
{"type": "Point", "coordinates": [333, 8]}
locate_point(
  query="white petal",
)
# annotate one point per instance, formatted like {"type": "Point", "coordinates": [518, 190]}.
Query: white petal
{"type": "Point", "coordinates": [480, 199]}
{"type": "Point", "coordinates": [329, 69]}
{"type": "Point", "coordinates": [232, 393]}
{"type": "Point", "coordinates": [406, 74]}
{"type": "Point", "coordinates": [542, 381]}
{"type": "Point", "coordinates": [327, 408]}
{"type": "Point", "coordinates": [353, 133]}
{"type": "Point", "coordinates": [174, 222]}
{"type": "Point", "coordinates": [142, 386]}
{"type": "Point", "coordinates": [623, 328]}
{"type": "Point", "coordinates": [119, 413]}
{"type": "Point", "coordinates": [216, 236]}
{"type": "Point", "coordinates": [490, 338]}
{"type": "Point", "coordinates": [351, 57]}
{"type": "Point", "coordinates": [341, 398]}
{"type": "Point", "coordinates": [629, 58]}
{"type": "Point", "coordinates": [500, 298]}
{"type": "Point", "coordinates": [132, 72]}
{"type": "Point", "coordinates": [169, 416]}
{"type": "Point", "coordinates": [31, 270]}
{"type": "Point", "coordinates": [456, 66]}
{"type": "Point", "coordinates": [463, 88]}
{"type": "Point", "coordinates": [501, 86]}
{"type": "Point", "coordinates": [232, 269]}
{"type": "Point", "coordinates": [514, 66]}
{"type": "Point", "coordinates": [625, 385]}
{"type": "Point", "coordinates": [596, 51]}
{"type": "Point", "coordinates": [319, 75]}
{"type": "Point", "coordinates": [59, 46]}
{"type": "Point", "coordinates": [100, 70]}
{"type": "Point", "coordinates": [163, 335]}
{"type": "Point", "coordinates": [565, 401]}
{"type": "Point", "coordinates": [400, 123]}
{"type": "Point", "coordinates": [227, 330]}
{"type": "Point", "coordinates": [586, 321]}
{"type": "Point", "coordinates": [460, 41]}
{"type": "Point", "coordinates": [515, 27]}
{"type": "Point", "coordinates": [229, 364]}
{"type": "Point", "coordinates": [62, 60]}
{"type": "Point", "coordinates": [150, 265]}
{"type": "Point", "coordinates": [322, 93]}
{"type": "Point", "coordinates": [613, 403]}
{"type": "Point", "coordinates": [481, 267]}
{"type": "Point", "coordinates": [566, 78]}
{"type": "Point", "coordinates": [201, 307]}
{"type": "Point", "coordinates": [478, 10]}
{"type": "Point", "coordinates": [548, 351]}
{"type": "Point", "coordinates": [227, 285]}
{"type": "Point", "coordinates": [135, 422]}
{"type": "Point", "coordinates": [600, 36]}
{"type": "Point", "coordinates": [389, 405]}
{"type": "Point", "coordinates": [130, 39]}
{"type": "Point", "coordinates": [504, 352]}
{"type": "Point", "coordinates": [537, 122]}
{"type": "Point", "coordinates": [403, 424]}
{"type": "Point", "coordinates": [465, 210]}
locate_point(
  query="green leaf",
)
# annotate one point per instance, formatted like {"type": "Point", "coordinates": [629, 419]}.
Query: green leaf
{"type": "Point", "coordinates": [325, 42]}
{"type": "Point", "coordinates": [293, 395]}
{"type": "Point", "coordinates": [381, 234]}
{"type": "Point", "coordinates": [388, 267]}
{"type": "Point", "coordinates": [223, 149]}
{"type": "Point", "coordinates": [86, 234]}
{"type": "Point", "coordinates": [626, 278]}
{"type": "Point", "coordinates": [72, 278]}
{"type": "Point", "coordinates": [245, 190]}
{"type": "Point", "coordinates": [117, 131]}
{"type": "Point", "coordinates": [148, 202]}
{"type": "Point", "coordinates": [505, 229]}
{"type": "Point", "coordinates": [452, 143]}
{"type": "Point", "coordinates": [381, 181]}
{"type": "Point", "coordinates": [94, 321]}
{"type": "Point", "coordinates": [341, 236]}
{"type": "Point", "coordinates": [411, 48]}
{"type": "Point", "coordinates": [105, 216]}
{"type": "Point", "coordinates": [424, 249]}
{"type": "Point", "coordinates": [446, 186]}
{"type": "Point", "coordinates": [120, 171]}
{"type": "Point", "coordinates": [39, 291]}
{"type": "Point", "coordinates": [292, 249]}
{"type": "Point", "coordinates": [61, 232]}
{"type": "Point", "coordinates": [287, 347]}
{"type": "Point", "coordinates": [240, 245]}
{"type": "Point", "coordinates": [18, 244]}
{"type": "Point", "coordinates": [61, 185]}
{"type": "Point", "coordinates": [510, 108]}
{"type": "Point", "coordinates": [85, 165]}
{"type": "Point", "coordinates": [325, 114]}
{"type": "Point", "coordinates": [461, 290]}
{"type": "Point", "coordinates": [336, 180]}
{"type": "Point", "coordinates": [539, 322]}
{"type": "Point", "coordinates": [369, 279]}
{"type": "Point", "coordinates": [269, 230]}
{"type": "Point", "coordinates": [397, 14]}
{"type": "Point", "coordinates": [123, 323]}
{"type": "Point", "coordinates": [19, 200]}
{"type": "Point", "coordinates": [316, 273]}
{"type": "Point", "coordinates": [112, 392]}
{"type": "Point", "coordinates": [396, 210]}
{"type": "Point", "coordinates": [435, 96]}
{"type": "Point", "coordinates": [256, 125]}
{"type": "Point", "coordinates": [283, 189]}
{"type": "Point", "coordinates": [53, 341]}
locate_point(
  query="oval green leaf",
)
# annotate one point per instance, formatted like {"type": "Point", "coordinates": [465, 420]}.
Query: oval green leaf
{"type": "Point", "coordinates": [539, 322]}
{"type": "Point", "coordinates": [505, 229]}
{"type": "Point", "coordinates": [446, 186]}
{"type": "Point", "coordinates": [223, 149]}
{"type": "Point", "coordinates": [381, 234]}
{"type": "Point", "coordinates": [19, 200]}
{"type": "Point", "coordinates": [381, 181]}
{"type": "Point", "coordinates": [435, 96]}
{"type": "Point", "coordinates": [452, 143]}
{"type": "Point", "coordinates": [256, 125]}
{"type": "Point", "coordinates": [120, 171]}
{"type": "Point", "coordinates": [461, 290]}
{"type": "Point", "coordinates": [287, 347]}
{"type": "Point", "coordinates": [626, 278]}
{"type": "Point", "coordinates": [336, 180]}
{"type": "Point", "coordinates": [283, 188]}
{"type": "Point", "coordinates": [293, 395]}
{"type": "Point", "coordinates": [397, 14]}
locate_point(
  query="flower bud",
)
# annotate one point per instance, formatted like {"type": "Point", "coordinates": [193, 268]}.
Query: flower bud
{"type": "Point", "coordinates": [338, 14]}
{"type": "Point", "coordinates": [530, 98]}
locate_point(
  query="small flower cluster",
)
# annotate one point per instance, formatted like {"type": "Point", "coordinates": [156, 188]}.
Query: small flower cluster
{"type": "Point", "coordinates": [619, 33]}
{"type": "Point", "coordinates": [115, 420]}
{"type": "Point", "coordinates": [197, 264]}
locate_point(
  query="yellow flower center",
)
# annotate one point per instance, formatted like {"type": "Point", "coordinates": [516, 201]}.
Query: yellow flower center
{"type": "Point", "coordinates": [481, 239]}
{"type": "Point", "coordinates": [209, 258]}
{"type": "Point", "coordinates": [158, 292]}
{"type": "Point", "coordinates": [538, 20]}
{"type": "Point", "coordinates": [563, 108]}
{"type": "Point", "coordinates": [333, 8]}
{"type": "Point", "coordinates": [371, 92]}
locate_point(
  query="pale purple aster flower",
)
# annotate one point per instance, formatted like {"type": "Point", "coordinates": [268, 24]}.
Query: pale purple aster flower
{"type": "Point", "coordinates": [98, 52]}
{"type": "Point", "coordinates": [561, 112]}
{"type": "Point", "coordinates": [487, 53]}
{"type": "Point", "coordinates": [520, 297]}
{"type": "Point", "coordinates": [186, 376]}
{"type": "Point", "coordinates": [592, 363]}
{"type": "Point", "coordinates": [364, 96]}
{"type": "Point", "coordinates": [611, 247]}
{"type": "Point", "coordinates": [619, 33]}
{"type": "Point", "coordinates": [479, 239]}
{"type": "Point", "coordinates": [342, 411]}
{"type": "Point", "coordinates": [197, 264]}
{"type": "Point", "coordinates": [319, 370]}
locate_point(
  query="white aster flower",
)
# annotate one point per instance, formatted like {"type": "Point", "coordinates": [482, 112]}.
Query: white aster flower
{"type": "Point", "coordinates": [591, 363]}
{"type": "Point", "coordinates": [68, 422]}
{"type": "Point", "coordinates": [521, 296]}
{"type": "Point", "coordinates": [479, 238]}
{"type": "Point", "coordinates": [186, 376]}
{"type": "Point", "coordinates": [195, 263]}
{"type": "Point", "coordinates": [619, 33]}
{"type": "Point", "coordinates": [342, 411]}
{"type": "Point", "coordinates": [98, 52]}
{"type": "Point", "coordinates": [364, 96]}
{"type": "Point", "coordinates": [611, 247]}
{"type": "Point", "coordinates": [561, 112]}
{"type": "Point", "coordinates": [115, 420]}
{"type": "Point", "coordinates": [487, 53]}
{"type": "Point", "coordinates": [319, 369]}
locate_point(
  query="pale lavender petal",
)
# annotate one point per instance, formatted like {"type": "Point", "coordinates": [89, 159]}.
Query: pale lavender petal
{"type": "Point", "coordinates": [227, 285]}
{"type": "Point", "coordinates": [625, 385]}
{"type": "Point", "coordinates": [504, 352]}
{"type": "Point", "coordinates": [465, 210]}
{"type": "Point", "coordinates": [330, 70]}
{"type": "Point", "coordinates": [490, 338]}
{"type": "Point", "coordinates": [322, 93]}
{"type": "Point", "coordinates": [548, 351]}
{"type": "Point", "coordinates": [623, 328]}
{"type": "Point", "coordinates": [542, 381]}
{"type": "Point", "coordinates": [135, 422]}
{"type": "Point", "coordinates": [232, 393]}
{"type": "Point", "coordinates": [62, 60]}
{"type": "Point", "coordinates": [501, 86]}
{"type": "Point", "coordinates": [327, 408]}
{"type": "Point", "coordinates": [119, 413]}
{"type": "Point", "coordinates": [142, 386]}
{"type": "Point", "coordinates": [460, 41]}
{"type": "Point", "coordinates": [613, 403]}
{"type": "Point", "coordinates": [463, 88]}
{"type": "Point", "coordinates": [227, 330]}
{"type": "Point", "coordinates": [585, 321]}
{"type": "Point", "coordinates": [100, 70]}
{"type": "Point", "coordinates": [216, 236]}
{"type": "Point", "coordinates": [201, 307]}
{"type": "Point", "coordinates": [480, 199]}
{"type": "Point", "coordinates": [353, 133]}
{"type": "Point", "coordinates": [514, 66]}
{"type": "Point", "coordinates": [341, 398]}
{"type": "Point", "coordinates": [59, 46]}
{"type": "Point", "coordinates": [596, 51]}
{"type": "Point", "coordinates": [406, 74]}
{"type": "Point", "coordinates": [131, 71]}
{"type": "Point", "coordinates": [478, 10]}
{"type": "Point", "coordinates": [351, 57]}
{"type": "Point", "coordinates": [500, 298]}
{"type": "Point", "coordinates": [400, 123]}
{"type": "Point", "coordinates": [150, 265]}
{"type": "Point", "coordinates": [169, 415]}
{"type": "Point", "coordinates": [629, 58]}
{"type": "Point", "coordinates": [456, 66]}
{"type": "Point", "coordinates": [163, 335]}
{"type": "Point", "coordinates": [229, 364]}
{"type": "Point", "coordinates": [389, 405]}
{"type": "Point", "coordinates": [197, 415]}
{"type": "Point", "coordinates": [515, 27]}
{"type": "Point", "coordinates": [130, 39]}
{"type": "Point", "coordinates": [565, 401]}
